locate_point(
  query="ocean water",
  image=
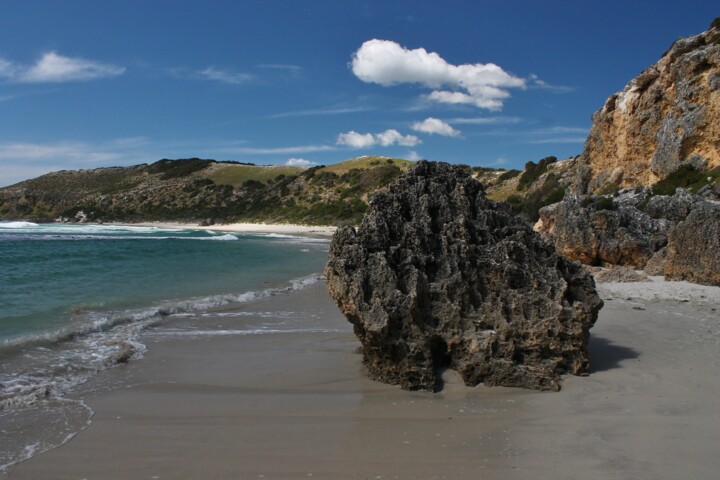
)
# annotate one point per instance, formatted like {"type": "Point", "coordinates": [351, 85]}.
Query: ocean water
{"type": "Point", "coordinates": [75, 300]}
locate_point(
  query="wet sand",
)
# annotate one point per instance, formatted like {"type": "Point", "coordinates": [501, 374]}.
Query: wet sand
{"type": "Point", "coordinates": [298, 405]}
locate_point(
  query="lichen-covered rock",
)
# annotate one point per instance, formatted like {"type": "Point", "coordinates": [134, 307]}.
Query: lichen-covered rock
{"type": "Point", "coordinates": [438, 276]}
{"type": "Point", "coordinates": [601, 231]}
{"type": "Point", "coordinates": [665, 117]}
{"type": "Point", "coordinates": [693, 251]}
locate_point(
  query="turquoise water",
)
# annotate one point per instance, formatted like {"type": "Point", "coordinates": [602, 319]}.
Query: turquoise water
{"type": "Point", "coordinates": [74, 298]}
{"type": "Point", "coordinates": [56, 279]}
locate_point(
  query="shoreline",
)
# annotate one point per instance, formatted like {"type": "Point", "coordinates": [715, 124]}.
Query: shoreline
{"type": "Point", "coordinates": [220, 404]}
{"type": "Point", "coordinates": [277, 228]}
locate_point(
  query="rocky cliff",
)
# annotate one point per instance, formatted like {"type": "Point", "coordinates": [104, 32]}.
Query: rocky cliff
{"type": "Point", "coordinates": [665, 117]}
{"type": "Point", "coordinates": [438, 276]}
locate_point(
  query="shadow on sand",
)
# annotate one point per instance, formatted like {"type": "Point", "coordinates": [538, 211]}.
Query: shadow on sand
{"type": "Point", "coordinates": [605, 355]}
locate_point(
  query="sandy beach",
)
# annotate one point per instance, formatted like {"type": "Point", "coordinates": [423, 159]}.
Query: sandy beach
{"type": "Point", "coordinates": [207, 403]}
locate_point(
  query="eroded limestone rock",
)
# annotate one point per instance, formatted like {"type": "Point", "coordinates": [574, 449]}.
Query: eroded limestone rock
{"type": "Point", "coordinates": [693, 251]}
{"type": "Point", "coordinates": [602, 231]}
{"type": "Point", "coordinates": [438, 276]}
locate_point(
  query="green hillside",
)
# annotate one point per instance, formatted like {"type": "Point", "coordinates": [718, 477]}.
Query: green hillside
{"type": "Point", "coordinates": [195, 190]}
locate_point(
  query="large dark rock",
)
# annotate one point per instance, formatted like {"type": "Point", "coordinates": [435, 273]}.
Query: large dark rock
{"type": "Point", "coordinates": [603, 231]}
{"type": "Point", "coordinates": [438, 276]}
{"type": "Point", "coordinates": [693, 251]}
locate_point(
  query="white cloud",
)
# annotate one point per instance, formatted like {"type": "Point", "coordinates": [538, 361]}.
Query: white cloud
{"type": "Point", "coordinates": [435, 126]}
{"type": "Point", "coordinates": [299, 162]}
{"type": "Point", "coordinates": [54, 68]}
{"type": "Point", "coordinates": [276, 150]}
{"type": "Point", "coordinates": [413, 156]}
{"type": "Point", "coordinates": [224, 76]}
{"type": "Point", "coordinates": [339, 110]}
{"type": "Point", "coordinates": [392, 137]}
{"type": "Point", "coordinates": [486, 120]}
{"type": "Point", "coordinates": [387, 63]}
{"type": "Point", "coordinates": [536, 82]}
{"type": "Point", "coordinates": [7, 69]}
{"type": "Point", "coordinates": [356, 140]}
{"type": "Point", "coordinates": [387, 138]}
{"type": "Point", "coordinates": [282, 66]}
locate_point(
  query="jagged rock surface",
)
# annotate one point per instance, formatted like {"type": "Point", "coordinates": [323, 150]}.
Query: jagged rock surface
{"type": "Point", "coordinates": [677, 236]}
{"type": "Point", "coordinates": [602, 232]}
{"type": "Point", "coordinates": [438, 276]}
{"type": "Point", "coordinates": [693, 251]}
{"type": "Point", "coordinates": [665, 117]}
{"type": "Point", "coordinates": [673, 207]}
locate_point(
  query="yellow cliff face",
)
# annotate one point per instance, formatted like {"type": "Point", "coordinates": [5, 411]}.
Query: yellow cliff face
{"type": "Point", "coordinates": [667, 116]}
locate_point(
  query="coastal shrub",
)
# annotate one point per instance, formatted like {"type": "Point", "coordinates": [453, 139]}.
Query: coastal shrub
{"type": "Point", "coordinates": [178, 168]}
{"type": "Point", "coordinates": [325, 179]}
{"type": "Point", "coordinates": [533, 171]}
{"type": "Point", "coordinates": [553, 197]}
{"type": "Point", "coordinates": [253, 185]}
{"type": "Point", "coordinates": [685, 176]}
{"type": "Point", "coordinates": [528, 206]}
{"type": "Point", "coordinates": [609, 189]}
{"type": "Point", "coordinates": [715, 23]}
{"type": "Point", "coordinates": [310, 172]}
{"type": "Point", "coordinates": [509, 174]}
{"type": "Point", "coordinates": [586, 202]}
{"type": "Point", "coordinates": [477, 169]}
{"type": "Point", "coordinates": [603, 203]}
{"type": "Point", "coordinates": [378, 176]}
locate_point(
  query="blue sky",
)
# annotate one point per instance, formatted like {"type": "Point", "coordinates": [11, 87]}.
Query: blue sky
{"type": "Point", "coordinates": [85, 84]}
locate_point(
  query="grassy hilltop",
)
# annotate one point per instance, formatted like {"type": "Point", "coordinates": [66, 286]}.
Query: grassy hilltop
{"type": "Point", "coordinates": [196, 190]}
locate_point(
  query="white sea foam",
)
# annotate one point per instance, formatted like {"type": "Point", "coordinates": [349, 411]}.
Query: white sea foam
{"type": "Point", "coordinates": [290, 238]}
{"type": "Point", "coordinates": [227, 236]}
{"type": "Point", "coordinates": [15, 225]}
{"type": "Point", "coordinates": [242, 332]}
{"type": "Point", "coordinates": [54, 362]}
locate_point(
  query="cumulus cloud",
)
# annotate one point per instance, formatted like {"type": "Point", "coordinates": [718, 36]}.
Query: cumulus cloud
{"type": "Point", "coordinates": [224, 76]}
{"type": "Point", "coordinates": [299, 162]}
{"type": "Point", "coordinates": [387, 138]}
{"type": "Point", "coordinates": [55, 68]}
{"type": "Point", "coordinates": [435, 126]}
{"type": "Point", "coordinates": [387, 63]}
